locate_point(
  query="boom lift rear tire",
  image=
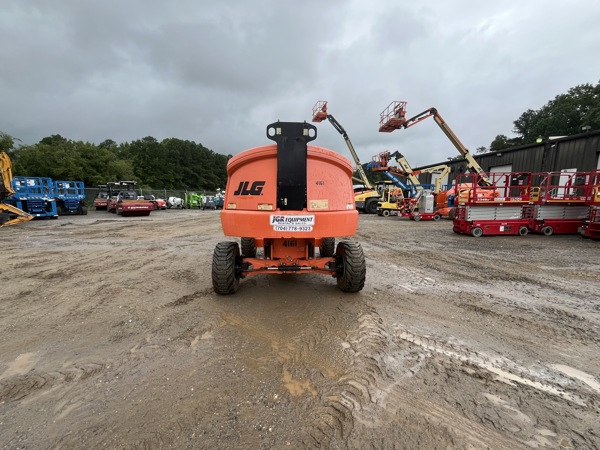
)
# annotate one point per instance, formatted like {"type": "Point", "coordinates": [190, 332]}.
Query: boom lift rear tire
{"type": "Point", "coordinates": [351, 266]}
{"type": "Point", "coordinates": [327, 248]}
{"type": "Point", "coordinates": [523, 231]}
{"type": "Point", "coordinates": [248, 247]}
{"type": "Point", "coordinates": [225, 268]}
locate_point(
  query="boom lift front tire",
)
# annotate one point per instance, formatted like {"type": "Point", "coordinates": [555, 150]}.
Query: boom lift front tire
{"type": "Point", "coordinates": [327, 248]}
{"type": "Point", "coordinates": [225, 268]}
{"type": "Point", "coordinates": [351, 266]}
{"type": "Point", "coordinates": [371, 206]}
{"type": "Point", "coordinates": [523, 231]}
{"type": "Point", "coordinates": [248, 247]}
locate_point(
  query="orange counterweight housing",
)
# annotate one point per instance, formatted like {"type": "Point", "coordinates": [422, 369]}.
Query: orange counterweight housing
{"type": "Point", "coordinates": [291, 200]}
{"type": "Point", "coordinates": [250, 208]}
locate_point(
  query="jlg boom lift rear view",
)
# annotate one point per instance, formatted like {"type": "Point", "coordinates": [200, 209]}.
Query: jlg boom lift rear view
{"type": "Point", "coordinates": [366, 201]}
{"type": "Point", "coordinates": [291, 200]}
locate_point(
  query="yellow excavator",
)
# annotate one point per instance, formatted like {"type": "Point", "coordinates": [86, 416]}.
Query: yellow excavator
{"type": "Point", "coordinates": [9, 215]}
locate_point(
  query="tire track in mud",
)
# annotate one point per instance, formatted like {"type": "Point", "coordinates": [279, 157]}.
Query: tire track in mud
{"type": "Point", "coordinates": [553, 324]}
{"type": "Point", "coordinates": [520, 395]}
{"type": "Point", "coordinates": [17, 387]}
{"type": "Point", "coordinates": [366, 405]}
{"type": "Point", "coordinates": [347, 404]}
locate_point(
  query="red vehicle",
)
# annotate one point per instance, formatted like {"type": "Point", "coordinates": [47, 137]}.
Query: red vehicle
{"type": "Point", "coordinates": [591, 226]}
{"type": "Point", "coordinates": [158, 203]}
{"type": "Point", "coordinates": [496, 209]}
{"type": "Point", "coordinates": [101, 200]}
{"type": "Point", "coordinates": [124, 200]}
{"type": "Point", "coordinates": [558, 203]}
{"type": "Point", "coordinates": [289, 199]}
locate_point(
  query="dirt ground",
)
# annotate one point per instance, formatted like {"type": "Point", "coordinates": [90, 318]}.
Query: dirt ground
{"type": "Point", "coordinates": [112, 338]}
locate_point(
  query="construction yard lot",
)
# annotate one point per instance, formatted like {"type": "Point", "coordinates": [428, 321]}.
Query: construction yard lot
{"type": "Point", "coordinates": [112, 338]}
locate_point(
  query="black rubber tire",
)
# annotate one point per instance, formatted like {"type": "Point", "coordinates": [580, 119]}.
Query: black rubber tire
{"type": "Point", "coordinates": [416, 217]}
{"type": "Point", "coordinates": [248, 247]}
{"type": "Point", "coordinates": [548, 231]}
{"type": "Point", "coordinates": [225, 275]}
{"type": "Point", "coordinates": [386, 213]}
{"type": "Point", "coordinates": [476, 232]}
{"type": "Point", "coordinates": [452, 214]}
{"type": "Point", "coordinates": [351, 266]}
{"type": "Point", "coordinates": [523, 231]}
{"type": "Point", "coordinates": [59, 210]}
{"type": "Point", "coordinates": [371, 206]}
{"type": "Point", "coordinates": [436, 217]}
{"type": "Point", "coordinates": [327, 248]}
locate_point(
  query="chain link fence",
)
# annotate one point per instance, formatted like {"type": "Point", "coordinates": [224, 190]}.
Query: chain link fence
{"type": "Point", "coordinates": [91, 193]}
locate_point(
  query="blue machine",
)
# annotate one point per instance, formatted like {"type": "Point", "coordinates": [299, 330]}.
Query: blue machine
{"type": "Point", "coordinates": [34, 195]}
{"type": "Point", "coordinates": [70, 197]}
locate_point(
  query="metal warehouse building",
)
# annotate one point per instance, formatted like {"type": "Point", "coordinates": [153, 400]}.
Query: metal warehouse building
{"type": "Point", "coordinates": [577, 153]}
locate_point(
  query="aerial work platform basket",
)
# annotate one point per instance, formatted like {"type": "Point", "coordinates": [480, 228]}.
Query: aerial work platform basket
{"type": "Point", "coordinates": [392, 117]}
{"type": "Point", "coordinates": [319, 111]}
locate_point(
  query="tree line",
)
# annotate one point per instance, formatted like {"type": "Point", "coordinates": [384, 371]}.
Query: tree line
{"type": "Point", "coordinates": [567, 114]}
{"type": "Point", "coordinates": [169, 164]}
{"type": "Point", "coordinates": [178, 164]}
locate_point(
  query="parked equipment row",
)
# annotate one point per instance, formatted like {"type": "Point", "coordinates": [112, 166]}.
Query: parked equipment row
{"type": "Point", "coordinates": [42, 197]}
{"type": "Point", "coordinates": [519, 203]}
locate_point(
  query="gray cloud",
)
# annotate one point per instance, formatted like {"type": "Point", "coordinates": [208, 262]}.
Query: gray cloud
{"type": "Point", "coordinates": [218, 73]}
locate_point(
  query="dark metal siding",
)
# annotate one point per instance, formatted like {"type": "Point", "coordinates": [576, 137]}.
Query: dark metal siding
{"type": "Point", "coordinates": [580, 152]}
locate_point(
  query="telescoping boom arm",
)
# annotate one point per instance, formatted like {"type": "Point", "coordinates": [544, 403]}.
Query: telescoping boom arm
{"type": "Point", "coordinates": [320, 114]}
{"type": "Point", "coordinates": [393, 118]}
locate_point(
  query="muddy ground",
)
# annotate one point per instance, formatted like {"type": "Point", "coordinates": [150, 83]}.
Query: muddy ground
{"type": "Point", "coordinates": [111, 337]}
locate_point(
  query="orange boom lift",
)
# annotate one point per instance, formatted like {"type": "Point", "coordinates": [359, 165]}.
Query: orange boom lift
{"type": "Point", "coordinates": [291, 200]}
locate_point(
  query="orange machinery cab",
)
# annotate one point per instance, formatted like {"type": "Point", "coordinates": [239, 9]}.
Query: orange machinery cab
{"type": "Point", "coordinates": [291, 199]}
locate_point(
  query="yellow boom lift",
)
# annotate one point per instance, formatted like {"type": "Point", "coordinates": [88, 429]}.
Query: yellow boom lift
{"type": "Point", "coordinates": [366, 200]}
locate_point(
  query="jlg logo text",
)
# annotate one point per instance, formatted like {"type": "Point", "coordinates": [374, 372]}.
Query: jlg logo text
{"type": "Point", "coordinates": [255, 189]}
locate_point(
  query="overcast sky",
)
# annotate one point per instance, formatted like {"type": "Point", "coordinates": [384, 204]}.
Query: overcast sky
{"type": "Point", "coordinates": [218, 72]}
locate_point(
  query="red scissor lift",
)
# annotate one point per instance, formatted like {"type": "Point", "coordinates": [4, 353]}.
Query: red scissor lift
{"type": "Point", "coordinates": [591, 226]}
{"type": "Point", "coordinates": [496, 209]}
{"type": "Point", "coordinates": [558, 202]}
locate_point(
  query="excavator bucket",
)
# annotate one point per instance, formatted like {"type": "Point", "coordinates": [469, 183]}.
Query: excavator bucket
{"type": "Point", "coordinates": [392, 117]}
{"type": "Point", "coordinates": [320, 111]}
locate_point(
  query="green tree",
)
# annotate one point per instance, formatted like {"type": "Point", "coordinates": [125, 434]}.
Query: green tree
{"type": "Point", "coordinates": [565, 115]}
